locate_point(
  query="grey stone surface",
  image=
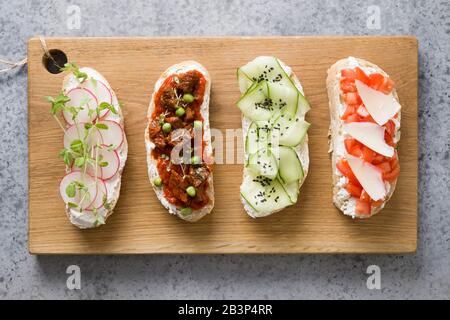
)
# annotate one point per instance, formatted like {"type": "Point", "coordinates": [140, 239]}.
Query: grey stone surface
{"type": "Point", "coordinates": [423, 275]}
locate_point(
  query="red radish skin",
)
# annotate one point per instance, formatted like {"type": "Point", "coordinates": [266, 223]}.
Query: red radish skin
{"type": "Point", "coordinates": [67, 118]}
{"type": "Point", "coordinates": [113, 134]}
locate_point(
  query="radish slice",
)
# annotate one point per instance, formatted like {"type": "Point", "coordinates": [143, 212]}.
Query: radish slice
{"type": "Point", "coordinates": [77, 132]}
{"type": "Point", "coordinates": [101, 91]}
{"type": "Point", "coordinates": [81, 97]}
{"type": "Point", "coordinates": [102, 194]}
{"type": "Point", "coordinates": [114, 135]}
{"type": "Point", "coordinates": [90, 170]}
{"type": "Point", "coordinates": [113, 160]}
{"type": "Point", "coordinates": [81, 198]}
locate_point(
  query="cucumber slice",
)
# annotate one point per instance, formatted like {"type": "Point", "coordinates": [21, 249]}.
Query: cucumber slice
{"type": "Point", "coordinates": [268, 69]}
{"type": "Point", "coordinates": [263, 163]}
{"type": "Point", "coordinates": [264, 195]}
{"type": "Point", "coordinates": [251, 140]}
{"type": "Point", "coordinates": [290, 167]}
{"type": "Point", "coordinates": [284, 98]}
{"type": "Point", "coordinates": [303, 104]}
{"type": "Point", "coordinates": [290, 131]}
{"type": "Point", "coordinates": [291, 189]}
{"type": "Point", "coordinates": [255, 103]}
{"type": "Point", "coordinates": [245, 83]}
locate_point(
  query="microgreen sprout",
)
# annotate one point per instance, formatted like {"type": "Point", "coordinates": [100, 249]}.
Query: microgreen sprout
{"type": "Point", "coordinates": [72, 67]}
{"type": "Point", "coordinates": [83, 151]}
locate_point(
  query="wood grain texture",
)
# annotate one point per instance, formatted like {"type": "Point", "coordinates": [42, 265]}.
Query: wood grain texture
{"type": "Point", "coordinates": [141, 225]}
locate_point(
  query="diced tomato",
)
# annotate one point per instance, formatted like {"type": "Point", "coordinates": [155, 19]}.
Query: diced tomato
{"type": "Point", "coordinates": [376, 80]}
{"type": "Point", "coordinates": [365, 197]}
{"type": "Point", "coordinates": [391, 176]}
{"type": "Point", "coordinates": [362, 111]}
{"type": "Point", "coordinates": [368, 154]}
{"type": "Point", "coordinates": [354, 190]}
{"type": "Point", "coordinates": [377, 203]}
{"type": "Point", "coordinates": [348, 86]}
{"type": "Point", "coordinates": [357, 151]}
{"type": "Point", "coordinates": [361, 76]}
{"type": "Point", "coordinates": [393, 162]}
{"type": "Point", "coordinates": [352, 98]}
{"type": "Point", "coordinates": [348, 111]}
{"type": "Point", "coordinates": [349, 74]}
{"type": "Point", "coordinates": [344, 167]}
{"type": "Point", "coordinates": [353, 118]}
{"type": "Point", "coordinates": [390, 127]}
{"type": "Point", "coordinates": [385, 167]}
{"type": "Point", "coordinates": [387, 85]}
{"type": "Point", "coordinates": [389, 139]}
{"type": "Point", "coordinates": [378, 159]}
{"type": "Point", "coordinates": [362, 207]}
{"type": "Point", "coordinates": [349, 143]}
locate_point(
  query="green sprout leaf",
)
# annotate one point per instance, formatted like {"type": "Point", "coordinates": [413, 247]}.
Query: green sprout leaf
{"type": "Point", "coordinates": [72, 67]}
{"type": "Point", "coordinates": [106, 105]}
{"type": "Point", "coordinates": [99, 220]}
{"type": "Point", "coordinates": [77, 146]}
{"type": "Point", "coordinates": [103, 164]}
{"type": "Point", "coordinates": [101, 126]}
{"type": "Point", "coordinates": [87, 126]}
{"type": "Point", "coordinates": [79, 162]}
{"type": "Point", "coordinates": [58, 103]}
{"type": "Point", "coordinates": [72, 205]}
{"type": "Point", "coordinates": [71, 190]}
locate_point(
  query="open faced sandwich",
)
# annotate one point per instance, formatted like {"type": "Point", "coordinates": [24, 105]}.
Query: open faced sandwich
{"type": "Point", "coordinates": [364, 132]}
{"type": "Point", "coordinates": [94, 145]}
{"type": "Point", "coordinates": [178, 141]}
{"type": "Point", "coordinates": [275, 135]}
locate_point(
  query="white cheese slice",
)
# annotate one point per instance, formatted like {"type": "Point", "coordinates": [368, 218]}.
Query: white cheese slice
{"type": "Point", "coordinates": [371, 135]}
{"type": "Point", "coordinates": [369, 177]}
{"type": "Point", "coordinates": [381, 107]}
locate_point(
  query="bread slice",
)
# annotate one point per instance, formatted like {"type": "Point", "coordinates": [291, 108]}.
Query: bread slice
{"type": "Point", "coordinates": [150, 146]}
{"type": "Point", "coordinates": [86, 219]}
{"type": "Point", "coordinates": [341, 198]}
{"type": "Point", "coordinates": [301, 149]}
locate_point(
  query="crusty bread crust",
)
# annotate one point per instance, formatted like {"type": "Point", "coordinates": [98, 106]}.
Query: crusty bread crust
{"type": "Point", "coordinates": [204, 109]}
{"type": "Point", "coordinates": [336, 128]}
{"type": "Point", "coordinates": [301, 150]}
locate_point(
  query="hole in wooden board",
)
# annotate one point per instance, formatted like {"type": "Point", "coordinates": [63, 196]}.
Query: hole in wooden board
{"type": "Point", "coordinates": [54, 61]}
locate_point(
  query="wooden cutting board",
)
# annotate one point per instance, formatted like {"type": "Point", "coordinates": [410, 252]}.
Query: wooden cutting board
{"type": "Point", "coordinates": [141, 225]}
